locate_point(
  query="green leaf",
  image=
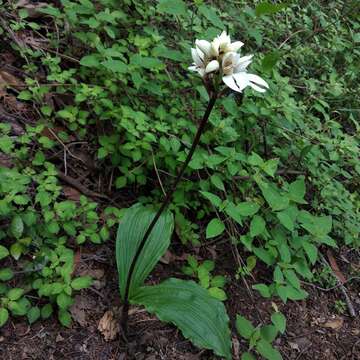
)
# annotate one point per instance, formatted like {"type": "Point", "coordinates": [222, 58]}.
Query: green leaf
{"type": "Point", "coordinates": [257, 226]}
{"type": "Point", "coordinates": [311, 251]}
{"type": "Point", "coordinates": [217, 293]}
{"type": "Point", "coordinates": [6, 274]}
{"type": "Point", "coordinates": [217, 182]}
{"type": "Point", "coordinates": [270, 166]}
{"type": "Point", "coordinates": [270, 60]}
{"type": "Point", "coordinates": [15, 294]}
{"type": "Point", "coordinates": [212, 16]}
{"type": "Point", "coordinates": [244, 327]}
{"type": "Point", "coordinates": [297, 191]}
{"type": "Point", "coordinates": [17, 226]}
{"type": "Point", "coordinates": [20, 307]}
{"type": "Point", "coordinates": [46, 311]}
{"type": "Point", "coordinates": [273, 198]}
{"type": "Point", "coordinates": [16, 250]}
{"type": "Point", "coordinates": [269, 333]}
{"type": "Point", "coordinates": [130, 233]}
{"type": "Point", "coordinates": [115, 66]}
{"type": "Point", "coordinates": [4, 252]}
{"type": "Point", "coordinates": [292, 278]}
{"type": "Point", "coordinates": [214, 199]}
{"type": "Point", "coordinates": [64, 301]}
{"type": "Point", "coordinates": [172, 7]}
{"type": "Point", "coordinates": [201, 318]}
{"type": "Point", "coordinates": [264, 255]}
{"type": "Point", "coordinates": [263, 290]}
{"type": "Point", "coordinates": [266, 8]}
{"type": "Point", "coordinates": [64, 318]}
{"type": "Point", "coordinates": [247, 356]}
{"type": "Point", "coordinates": [90, 61]}
{"type": "Point", "coordinates": [4, 316]}
{"type": "Point", "coordinates": [247, 208]}
{"type": "Point", "coordinates": [265, 349]}
{"type": "Point", "coordinates": [218, 281]}
{"type": "Point", "coordinates": [81, 282]}
{"type": "Point", "coordinates": [33, 314]}
{"type": "Point", "coordinates": [279, 320]}
{"type": "Point", "coordinates": [214, 228]}
{"type": "Point", "coordinates": [286, 220]}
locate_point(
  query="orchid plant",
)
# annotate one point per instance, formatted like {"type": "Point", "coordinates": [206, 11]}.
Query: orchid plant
{"type": "Point", "coordinates": [144, 236]}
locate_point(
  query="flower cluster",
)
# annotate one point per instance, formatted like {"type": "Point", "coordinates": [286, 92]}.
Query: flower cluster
{"type": "Point", "coordinates": [221, 57]}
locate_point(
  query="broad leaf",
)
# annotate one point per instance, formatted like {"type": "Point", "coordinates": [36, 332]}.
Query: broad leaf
{"type": "Point", "coordinates": [201, 318]}
{"type": "Point", "coordinates": [130, 233]}
{"type": "Point", "coordinates": [215, 228]}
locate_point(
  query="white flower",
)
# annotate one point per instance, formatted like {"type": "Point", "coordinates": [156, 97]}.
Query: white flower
{"type": "Point", "coordinates": [222, 44]}
{"type": "Point", "coordinates": [199, 64]}
{"type": "Point", "coordinates": [235, 75]}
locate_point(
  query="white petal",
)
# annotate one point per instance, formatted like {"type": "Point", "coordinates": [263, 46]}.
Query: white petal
{"type": "Point", "coordinates": [257, 83]}
{"type": "Point", "coordinates": [204, 46]}
{"type": "Point", "coordinates": [215, 46]}
{"type": "Point", "coordinates": [237, 82]}
{"type": "Point", "coordinates": [196, 57]}
{"type": "Point", "coordinates": [242, 63]}
{"type": "Point", "coordinates": [212, 66]}
{"type": "Point", "coordinates": [224, 38]}
{"type": "Point", "coordinates": [235, 46]}
{"type": "Point", "coordinates": [193, 68]}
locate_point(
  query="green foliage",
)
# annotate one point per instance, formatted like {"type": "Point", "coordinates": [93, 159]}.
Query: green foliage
{"type": "Point", "coordinates": [197, 313]}
{"type": "Point", "coordinates": [200, 317]}
{"type": "Point", "coordinates": [260, 338]}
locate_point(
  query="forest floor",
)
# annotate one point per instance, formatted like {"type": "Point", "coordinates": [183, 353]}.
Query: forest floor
{"type": "Point", "coordinates": [316, 328]}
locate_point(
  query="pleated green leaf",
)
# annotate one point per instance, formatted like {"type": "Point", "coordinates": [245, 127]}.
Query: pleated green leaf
{"type": "Point", "coordinates": [201, 318]}
{"type": "Point", "coordinates": [130, 233]}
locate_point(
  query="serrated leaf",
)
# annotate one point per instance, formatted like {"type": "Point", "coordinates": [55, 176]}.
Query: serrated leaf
{"type": "Point", "coordinates": [292, 278]}
{"type": "Point", "coordinates": [270, 60]}
{"type": "Point", "coordinates": [90, 60]}
{"type": "Point", "coordinates": [130, 233]}
{"type": "Point", "coordinates": [244, 327]}
{"type": "Point", "coordinates": [211, 15]}
{"type": "Point", "coordinates": [17, 226]}
{"type": "Point", "coordinates": [201, 318]}
{"type": "Point", "coordinates": [15, 294]}
{"type": "Point", "coordinates": [214, 228]}
{"type": "Point", "coordinates": [217, 293]}
{"type": "Point", "coordinates": [6, 274]}
{"type": "Point", "coordinates": [279, 320]}
{"type": "Point", "coordinates": [4, 316]}
{"type": "Point", "coordinates": [46, 311]}
{"type": "Point", "coordinates": [64, 301]}
{"type": "Point", "coordinates": [263, 290]}
{"type": "Point", "coordinates": [116, 66]}
{"type": "Point", "coordinates": [273, 197]}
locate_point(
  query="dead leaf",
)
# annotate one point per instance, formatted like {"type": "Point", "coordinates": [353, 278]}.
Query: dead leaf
{"type": "Point", "coordinates": [236, 348]}
{"type": "Point", "coordinates": [7, 79]}
{"type": "Point", "coordinates": [167, 258]}
{"type": "Point", "coordinates": [109, 326]}
{"type": "Point", "coordinates": [94, 273]}
{"type": "Point", "coordinates": [334, 324]}
{"type": "Point", "coordinates": [80, 307]}
{"type": "Point", "coordinates": [335, 267]}
{"type": "Point", "coordinates": [71, 193]}
{"type": "Point", "coordinates": [32, 8]}
{"type": "Point", "coordinates": [59, 338]}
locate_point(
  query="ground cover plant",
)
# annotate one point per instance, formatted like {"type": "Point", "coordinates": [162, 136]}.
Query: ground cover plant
{"type": "Point", "coordinates": [99, 111]}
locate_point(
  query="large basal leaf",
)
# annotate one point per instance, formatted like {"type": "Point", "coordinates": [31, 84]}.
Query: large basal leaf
{"type": "Point", "coordinates": [201, 318]}
{"type": "Point", "coordinates": [130, 233]}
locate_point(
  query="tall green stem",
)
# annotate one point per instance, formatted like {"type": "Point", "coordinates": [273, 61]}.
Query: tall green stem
{"type": "Point", "coordinates": [165, 203]}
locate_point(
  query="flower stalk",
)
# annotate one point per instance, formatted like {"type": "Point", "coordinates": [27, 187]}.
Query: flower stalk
{"type": "Point", "coordinates": [165, 203]}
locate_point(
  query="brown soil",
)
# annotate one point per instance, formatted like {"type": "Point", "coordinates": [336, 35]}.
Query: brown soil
{"type": "Point", "coordinates": [315, 330]}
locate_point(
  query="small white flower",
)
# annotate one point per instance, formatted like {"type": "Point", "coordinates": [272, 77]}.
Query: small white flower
{"type": "Point", "coordinates": [236, 76]}
{"type": "Point", "coordinates": [212, 66]}
{"type": "Point", "coordinates": [222, 44]}
{"type": "Point", "coordinates": [199, 64]}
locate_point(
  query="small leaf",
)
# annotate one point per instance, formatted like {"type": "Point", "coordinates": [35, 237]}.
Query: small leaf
{"type": "Point", "coordinates": [64, 318]}
{"type": "Point", "coordinates": [115, 65]}
{"type": "Point", "coordinates": [214, 199]}
{"type": "Point", "coordinates": [46, 311]}
{"type": "Point", "coordinates": [64, 301]}
{"type": "Point", "coordinates": [297, 191]}
{"type": "Point", "coordinates": [257, 226]}
{"type": "Point", "coordinates": [266, 8]}
{"type": "Point", "coordinates": [172, 7]}
{"type": "Point", "coordinates": [218, 281]}
{"type": "Point", "coordinates": [311, 251]}
{"type": "Point", "coordinates": [263, 290]}
{"type": "Point", "coordinates": [17, 226]}
{"type": "Point", "coordinates": [6, 274]}
{"type": "Point", "coordinates": [244, 327]}
{"type": "Point", "coordinates": [265, 349]}
{"type": "Point", "coordinates": [15, 294]}
{"type": "Point", "coordinates": [247, 356]}
{"type": "Point", "coordinates": [90, 61]}
{"type": "Point", "coordinates": [270, 60]}
{"type": "Point", "coordinates": [269, 333]}
{"type": "Point", "coordinates": [215, 228]}
{"type": "Point", "coordinates": [4, 252]}
{"type": "Point", "coordinates": [286, 220]}
{"type": "Point", "coordinates": [292, 278]}
{"type": "Point", "coordinates": [279, 320]}
{"type": "Point", "coordinates": [217, 293]}
{"type": "Point", "coordinates": [4, 316]}
{"type": "Point", "coordinates": [247, 208]}
{"type": "Point", "coordinates": [33, 314]}
{"type": "Point", "coordinates": [217, 182]}
{"type": "Point", "coordinates": [81, 282]}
